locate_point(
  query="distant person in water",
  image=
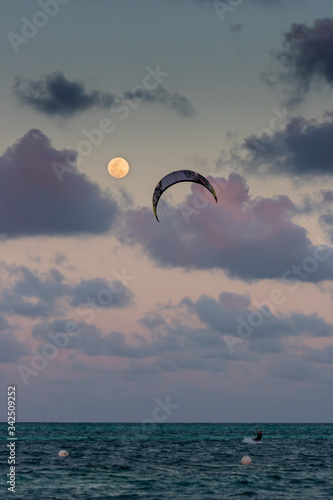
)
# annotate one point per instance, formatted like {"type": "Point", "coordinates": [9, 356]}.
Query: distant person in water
{"type": "Point", "coordinates": [259, 436]}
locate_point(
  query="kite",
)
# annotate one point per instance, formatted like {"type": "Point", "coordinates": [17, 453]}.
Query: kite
{"type": "Point", "coordinates": [179, 176]}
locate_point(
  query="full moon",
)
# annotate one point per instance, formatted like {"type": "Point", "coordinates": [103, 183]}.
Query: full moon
{"type": "Point", "coordinates": [118, 167]}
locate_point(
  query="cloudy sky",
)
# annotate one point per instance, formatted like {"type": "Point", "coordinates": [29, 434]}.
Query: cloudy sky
{"type": "Point", "coordinates": [221, 312]}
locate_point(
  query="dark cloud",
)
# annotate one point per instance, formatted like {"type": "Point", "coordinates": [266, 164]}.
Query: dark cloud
{"type": "Point", "coordinates": [326, 222]}
{"type": "Point", "coordinates": [59, 259]}
{"type": "Point", "coordinates": [234, 28]}
{"type": "Point", "coordinates": [326, 218]}
{"type": "Point", "coordinates": [302, 148]}
{"type": "Point", "coordinates": [34, 294]}
{"type": "Point", "coordinates": [327, 196]}
{"type": "Point", "coordinates": [172, 100]}
{"type": "Point", "coordinates": [312, 324]}
{"type": "Point", "coordinates": [305, 60]}
{"type": "Point", "coordinates": [321, 356]}
{"type": "Point", "coordinates": [11, 349]}
{"type": "Point", "coordinates": [4, 325]}
{"type": "Point", "coordinates": [192, 336]}
{"type": "Point", "coordinates": [178, 349]}
{"type": "Point", "coordinates": [54, 95]}
{"type": "Point", "coordinates": [153, 320]}
{"type": "Point", "coordinates": [220, 316]}
{"type": "Point", "coordinates": [36, 201]}
{"type": "Point", "coordinates": [266, 331]}
{"type": "Point", "coordinates": [90, 340]}
{"type": "Point", "coordinates": [104, 294]}
{"type": "Point", "coordinates": [248, 238]}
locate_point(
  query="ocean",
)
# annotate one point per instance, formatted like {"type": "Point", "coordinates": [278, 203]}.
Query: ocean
{"type": "Point", "coordinates": [169, 461]}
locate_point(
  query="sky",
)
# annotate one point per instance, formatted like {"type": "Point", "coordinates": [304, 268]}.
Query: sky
{"type": "Point", "coordinates": [220, 312]}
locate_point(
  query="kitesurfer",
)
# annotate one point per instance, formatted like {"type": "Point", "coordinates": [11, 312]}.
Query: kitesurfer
{"type": "Point", "coordinates": [259, 436]}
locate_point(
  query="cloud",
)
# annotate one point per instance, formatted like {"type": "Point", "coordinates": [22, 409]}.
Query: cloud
{"type": "Point", "coordinates": [321, 356]}
{"type": "Point", "coordinates": [152, 320]}
{"type": "Point", "coordinates": [103, 293]}
{"type": "Point", "coordinates": [305, 60]}
{"type": "Point", "coordinates": [54, 95]}
{"type": "Point", "coordinates": [59, 259]}
{"type": "Point", "coordinates": [302, 148]}
{"type": "Point", "coordinates": [34, 294]}
{"type": "Point", "coordinates": [34, 202]}
{"type": "Point", "coordinates": [11, 349]}
{"type": "Point", "coordinates": [326, 222]}
{"type": "Point", "coordinates": [248, 238]}
{"type": "Point", "coordinates": [172, 100]}
{"type": "Point", "coordinates": [192, 335]}
{"type": "Point", "coordinates": [326, 218]}
{"type": "Point", "coordinates": [256, 326]}
{"type": "Point", "coordinates": [327, 196]}
{"type": "Point", "coordinates": [91, 341]}
{"type": "Point", "coordinates": [234, 28]}
{"type": "Point", "coordinates": [180, 348]}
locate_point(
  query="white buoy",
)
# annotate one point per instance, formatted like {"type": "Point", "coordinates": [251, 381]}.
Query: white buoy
{"type": "Point", "coordinates": [246, 461]}
{"type": "Point", "coordinates": [63, 453]}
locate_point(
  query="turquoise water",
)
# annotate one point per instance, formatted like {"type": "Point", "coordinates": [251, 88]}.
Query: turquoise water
{"type": "Point", "coordinates": [170, 461]}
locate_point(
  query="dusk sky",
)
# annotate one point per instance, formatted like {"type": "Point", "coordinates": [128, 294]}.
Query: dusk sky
{"type": "Point", "coordinates": [223, 310]}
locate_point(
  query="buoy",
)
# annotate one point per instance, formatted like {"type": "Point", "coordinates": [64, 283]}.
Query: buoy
{"type": "Point", "coordinates": [246, 461]}
{"type": "Point", "coordinates": [63, 453]}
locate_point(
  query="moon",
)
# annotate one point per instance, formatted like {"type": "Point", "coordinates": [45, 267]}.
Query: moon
{"type": "Point", "coordinates": [118, 167]}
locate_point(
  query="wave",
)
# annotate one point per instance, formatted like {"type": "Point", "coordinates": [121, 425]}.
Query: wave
{"type": "Point", "coordinates": [250, 441]}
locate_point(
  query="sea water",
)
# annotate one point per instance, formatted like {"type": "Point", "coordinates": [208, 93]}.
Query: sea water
{"type": "Point", "coordinates": [169, 461]}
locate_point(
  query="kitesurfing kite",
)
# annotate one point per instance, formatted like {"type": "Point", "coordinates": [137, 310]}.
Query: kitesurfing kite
{"type": "Point", "coordinates": [179, 176]}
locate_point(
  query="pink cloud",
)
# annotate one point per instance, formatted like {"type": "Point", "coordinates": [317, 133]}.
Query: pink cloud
{"type": "Point", "coordinates": [247, 238]}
